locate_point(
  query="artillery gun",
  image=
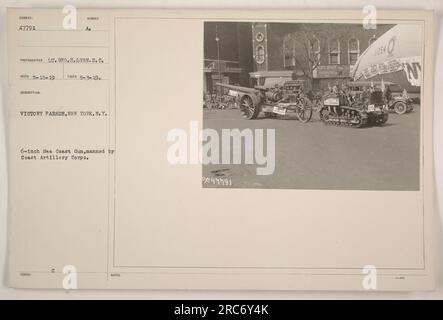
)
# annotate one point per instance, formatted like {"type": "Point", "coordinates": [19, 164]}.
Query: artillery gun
{"type": "Point", "coordinates": [278, 100]}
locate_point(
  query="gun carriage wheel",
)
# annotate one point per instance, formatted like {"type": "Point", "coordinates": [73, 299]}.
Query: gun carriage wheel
{"type": "Point", "coordinates": [304, 110]}
{"type": "Point", "coordinates": [249, 108]}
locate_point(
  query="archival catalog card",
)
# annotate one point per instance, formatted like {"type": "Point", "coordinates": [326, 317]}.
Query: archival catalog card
{"type": "Point", "coordinates": [213, 149]}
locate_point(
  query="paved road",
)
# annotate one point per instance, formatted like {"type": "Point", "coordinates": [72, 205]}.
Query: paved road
{"type": "Point", "coordinates": [316, 156]}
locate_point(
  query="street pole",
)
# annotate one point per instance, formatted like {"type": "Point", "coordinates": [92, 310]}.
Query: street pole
{"type": "Point", "coordinates": [217, 39]}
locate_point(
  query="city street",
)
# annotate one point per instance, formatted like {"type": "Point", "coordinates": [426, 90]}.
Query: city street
{"type": "Point", "coordinates": [315, 156]}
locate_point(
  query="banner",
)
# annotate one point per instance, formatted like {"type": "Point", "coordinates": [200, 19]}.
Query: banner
{"type": "Point", "coordinates": [410, 65]}
{"type": "Point", "coordinates": [412, 68]}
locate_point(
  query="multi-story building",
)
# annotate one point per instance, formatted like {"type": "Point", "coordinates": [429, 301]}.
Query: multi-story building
{"type": "Point", "coordinates": [227, 54]}
{"type": "Point", "coordinates": [322, 54]}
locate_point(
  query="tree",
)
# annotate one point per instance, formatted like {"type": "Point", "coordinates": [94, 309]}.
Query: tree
{"type": "Point", "coordinates": [306, 47]}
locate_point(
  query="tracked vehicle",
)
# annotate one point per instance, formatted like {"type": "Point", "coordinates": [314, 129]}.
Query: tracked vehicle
{"type": "Point", "coordinates": [341, 109]}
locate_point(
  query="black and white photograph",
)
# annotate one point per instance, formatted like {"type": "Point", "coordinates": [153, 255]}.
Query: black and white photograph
{"type": "Point", "coordinates": [312, 105]}
{"type": "Point", "coordinates": [221, 152]}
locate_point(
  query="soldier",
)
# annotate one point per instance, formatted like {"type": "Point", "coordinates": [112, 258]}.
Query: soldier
{"type": "Point", "coordinates": [347, 94]}
{"type": "Point", "coordinates": [342, 95]}
{"type": "Point", "coordinates": [335, 88]}
{"type": "Point", "coordinates": [364, 96]}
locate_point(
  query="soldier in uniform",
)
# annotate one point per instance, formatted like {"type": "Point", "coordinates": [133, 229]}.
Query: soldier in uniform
{"type": "Point", "coordinates": [365, 96]}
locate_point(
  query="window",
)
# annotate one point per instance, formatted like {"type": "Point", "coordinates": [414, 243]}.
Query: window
{"type": "Point", "coordinates": [334, 52]}
{"type": "Point", "coordinates": [314, 46]}
{"type": "Point", "coordinates": [288, 52]}
{"type": "Point", "coordinates": [372, 40]}
{"type": "Point", "coordinates": [353, 50]}
{"type": "Point", "coordinates": [260, 54]}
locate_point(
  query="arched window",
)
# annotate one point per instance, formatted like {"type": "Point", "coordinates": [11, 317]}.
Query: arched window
{"type": "Point", "coordinates": [353, 50]}
{"type": "Point", "coordinates": [334, 51]}
{"type": "Point", "coordinates": [314, 46]}
{"type": "Point", "coordinates": [372, 40]}
{"type": "Point", "coordinates": [288, 51]}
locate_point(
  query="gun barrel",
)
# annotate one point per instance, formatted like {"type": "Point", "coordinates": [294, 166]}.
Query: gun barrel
{"type": "Point", "coordinates": [236, 88]}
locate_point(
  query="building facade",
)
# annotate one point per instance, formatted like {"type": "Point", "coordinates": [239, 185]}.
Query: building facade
{"type": "Point", "coordinates": [322, 54]}
{"type": "Point", "coordinates": [227, 54]}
